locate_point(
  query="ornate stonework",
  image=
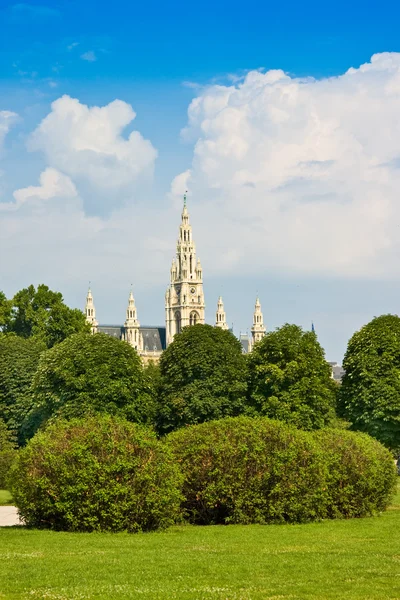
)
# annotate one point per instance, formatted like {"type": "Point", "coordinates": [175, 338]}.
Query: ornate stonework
{"type": "Point", "coordinates": [184, 299]}
{"type": "Point", "coordinates": [184, 305]}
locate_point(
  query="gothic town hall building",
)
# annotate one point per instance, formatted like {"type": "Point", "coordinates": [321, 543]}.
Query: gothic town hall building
{"type": "Point", "coordinates": [184, 305]}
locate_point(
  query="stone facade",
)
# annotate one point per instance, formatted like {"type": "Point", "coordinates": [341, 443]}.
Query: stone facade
{"type": "Point", "coordinates": [184, 305]}
{"type": "Point", "coordinates": [184, 298]}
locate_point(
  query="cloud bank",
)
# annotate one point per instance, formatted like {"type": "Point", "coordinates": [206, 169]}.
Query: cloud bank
{"type": "Point", "coordinates": [288, 175]}
{"type": "Point", "coordinates": [301, 174]}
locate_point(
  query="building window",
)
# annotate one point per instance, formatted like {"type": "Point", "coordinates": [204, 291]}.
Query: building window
{"type": "Point", "coordinates": [177, 322]}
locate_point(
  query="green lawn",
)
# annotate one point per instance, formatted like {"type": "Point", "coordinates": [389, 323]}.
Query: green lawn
{"type": "Point", "coordinates": [357, 559]}
{"type": "Point", "coordinates": [5, 498]}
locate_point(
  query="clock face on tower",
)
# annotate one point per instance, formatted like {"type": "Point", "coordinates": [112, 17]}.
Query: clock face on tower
{"type": "Point", "coordinates": [192, 290]}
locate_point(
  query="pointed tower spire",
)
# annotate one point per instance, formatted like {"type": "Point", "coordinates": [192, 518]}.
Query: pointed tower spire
{"type": "Point", "coordinates": [132, 325]}
{"type": "Point", "coordinates": [258, 330]}
{"type": "Point", "coordinates": [221, 315]}
{"type": "Point", "coordinates": [90, 311]}
{"type": "Point", "coordinates": [184, 298]}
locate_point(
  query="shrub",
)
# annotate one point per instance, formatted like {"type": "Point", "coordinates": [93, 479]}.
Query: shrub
{"type": "Point", "coordinates": [361, 475]}
{"type": "Point", "coordinates": [7, 452]}
{"type": "Point", "coordinates": [96, 474]}
{"type": "Point", "coordinates": [244, 470]}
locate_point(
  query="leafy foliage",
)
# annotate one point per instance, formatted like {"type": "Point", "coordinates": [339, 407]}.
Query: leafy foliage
{"type": "Point", "coordinates": [244, 470]}
{"type": "Point", "coordinates": [96, 474]}
{"type": "Point", "coordinates": [19, 359]}
{"type": "Point", "coordinates": [360, 473]}
{"type": "Point", "coordinates": [7, 452]}
{"type": "Point", "coordinates": [203, 374]}
{"type": "Point", "coordinates": [290, 379]}
{"type": "Point", "coordinates": [370, 391]}
{"type": "Point", "coordinates": [91, 374]}
{"type": "Point", "coordinates": [5, 311]}
{"type": "Point", "coordinates": [40, 313]}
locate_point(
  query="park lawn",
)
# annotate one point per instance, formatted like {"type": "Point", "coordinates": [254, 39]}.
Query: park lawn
{"type": "Point", "coordinates": [357, 559]}
{"type": "Point", "coordinates": [5, 499]}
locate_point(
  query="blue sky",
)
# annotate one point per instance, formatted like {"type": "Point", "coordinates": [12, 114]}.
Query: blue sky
{"type": "Point", "coordinates": [252, 108]}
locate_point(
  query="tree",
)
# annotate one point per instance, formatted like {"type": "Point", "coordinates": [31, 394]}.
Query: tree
{"type": "Point", "coordinates": [90, 374]}
{"type": "Point", "coordinates": [370, 392]}
{"type": "Point", "coordinates": [290, 380]}
{"type": "Point", "coordinates": [42, 314]}
{"type": "Point", "coordinates": [7, 452]}
{"type": "Point", "coordinates": [203, 377]}
{"type": "Point", "coordinates": [19, 359]}
{"type": "Point", "coordinates": [5, 311]}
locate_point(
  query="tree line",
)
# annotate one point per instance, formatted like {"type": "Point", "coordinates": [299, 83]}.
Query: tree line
{"type": "Point", "coordinates": [52, 367]}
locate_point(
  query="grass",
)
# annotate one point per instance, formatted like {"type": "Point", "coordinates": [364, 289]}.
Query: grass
{"type": "Point", "coordinates": [357, 559]}
{"type": "Point", "coordinates": [5, 499]}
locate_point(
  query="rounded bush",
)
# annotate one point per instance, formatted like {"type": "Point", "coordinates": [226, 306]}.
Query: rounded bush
{"type": "Point", "coordinates": [361, 475]}
{"type": "Point", "coordinates": [96, 474]}
{"type": "Point", "coordinates": [244, 470]}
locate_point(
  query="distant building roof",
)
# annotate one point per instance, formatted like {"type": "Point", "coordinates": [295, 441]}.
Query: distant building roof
{"type": "Point", "coordinates": [154, 338]}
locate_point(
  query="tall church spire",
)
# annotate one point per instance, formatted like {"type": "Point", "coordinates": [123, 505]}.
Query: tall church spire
{"type": "Point", "coordinates": [221, 315]}
{"type": "Point", "coordinates": [258, 330]}
{"type": "Point", "coordinates": [132, 325]}
{"type": "Point", "coordinates": [184, 299]}
{"type": "Point", "coordinates": [90, 311]}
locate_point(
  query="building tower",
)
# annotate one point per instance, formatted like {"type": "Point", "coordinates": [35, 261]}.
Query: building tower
{"type": "Point", "coordinates": [184, 299]}
{"type": "Point", "coordinates": [220, 315]}
{"type": "Point", "coordinates": [90, 311]}
{"type": "Point", "coordinates": [132, 325]}
{"type": "Point", "coordinates": [258, 330]}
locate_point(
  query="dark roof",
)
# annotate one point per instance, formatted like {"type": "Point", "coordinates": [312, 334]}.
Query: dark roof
{"type": "Point", "coordinates": [154, 338]}
{"type": "Point", "coordinates": [113, 330]}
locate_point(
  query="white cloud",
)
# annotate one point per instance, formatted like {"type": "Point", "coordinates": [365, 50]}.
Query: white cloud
{"type": "Point", "coordinates": [87, 143]}
{"type": "Point", "coordinates": [7, 120]}
{"type": "Point", "coordinates": [300, 174]}
{"type": "Point", "coordinates": [52, 184]}
{"type": "Point", "coordinates": [89, 56]}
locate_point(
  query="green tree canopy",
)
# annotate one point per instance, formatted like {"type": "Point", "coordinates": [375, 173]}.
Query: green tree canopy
{"type": "Point", "coordinates": [290, 380]}
{"type": "Point", "coordinates": [90, 374]}
{"type": "Point", "coordinates": [5, 312]}
{"type": "Point", "coordinates": [7, 452]}
{"type": "Point", "coordinates": [370, 392]}
{"type": "Point", "coordinates": [40, 313]}
{"type": "Point", "coordinates": [203, 377]}
{"type": "Point", "coordinates": [19, 358]}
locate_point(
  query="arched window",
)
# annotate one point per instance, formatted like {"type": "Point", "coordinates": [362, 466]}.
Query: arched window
{"type": "Point", "coordinates": [177, 322]}
{"type": "Point", "coordinates": [194, 317]}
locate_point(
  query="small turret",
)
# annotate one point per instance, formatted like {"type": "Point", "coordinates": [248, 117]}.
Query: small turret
{"type": "Point", "coordinates": [258, 330]}
{"type": "Point", "coordinates": [132, 325]}
{"type": "Point", "coordinates": [90, 311]}
{"type": "Point", "coordinates": [220, 315]}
